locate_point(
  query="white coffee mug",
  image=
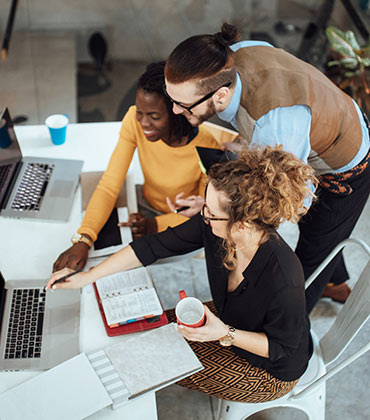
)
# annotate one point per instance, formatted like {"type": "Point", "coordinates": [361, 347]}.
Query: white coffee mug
{"type": "Point", "coordinates": [190, 311]}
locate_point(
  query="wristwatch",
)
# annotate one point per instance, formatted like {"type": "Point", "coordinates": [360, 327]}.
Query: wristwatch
{"type": "Point", "coordinates": [229, 337]}
{"type": "Point", "coordinates": [78, 237]}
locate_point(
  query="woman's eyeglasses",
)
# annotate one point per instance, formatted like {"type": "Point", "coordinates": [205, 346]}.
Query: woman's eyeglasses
{"type": "Point", "coordinates": [208, 219]}
{"type": "Point", "coordinates": [189, 108]}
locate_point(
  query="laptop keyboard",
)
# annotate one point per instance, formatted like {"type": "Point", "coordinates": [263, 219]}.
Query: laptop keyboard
{"type": "Point", "coordinates": [24, 336]}
{"type": "Point", "coordinates": [32, 187]}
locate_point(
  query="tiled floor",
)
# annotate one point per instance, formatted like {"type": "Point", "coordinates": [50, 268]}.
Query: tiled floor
{"type": "Point", "coordinates": [38, 77]}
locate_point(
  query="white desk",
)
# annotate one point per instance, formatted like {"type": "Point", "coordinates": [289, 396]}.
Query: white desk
{"type": "Point", "coordinates": [28, 248]}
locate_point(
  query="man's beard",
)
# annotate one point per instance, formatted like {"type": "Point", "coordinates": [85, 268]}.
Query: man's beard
{"type": "Point", "coordinates": [196, 120]}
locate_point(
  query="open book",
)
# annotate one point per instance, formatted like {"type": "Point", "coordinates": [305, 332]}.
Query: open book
{"type": "Point", "coordinates": [128, 296]}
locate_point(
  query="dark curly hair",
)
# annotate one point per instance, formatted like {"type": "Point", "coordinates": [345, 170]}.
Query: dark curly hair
{"type": "Point", "coordinates": [152, 81]}
{"type": "Point", "coordinates": [264, 188]}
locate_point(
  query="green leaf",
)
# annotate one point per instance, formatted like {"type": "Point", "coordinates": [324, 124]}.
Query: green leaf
{"type": "Point", "coordinates": [333, 63]}
{"type": "Point", "coordinates": [338, 41]}
{"type": "Point", "coordinates": [349, 62]}
{"type": "Point", "coordinates": [349, 36]}
{"type": "Point", "coordinates": [349, 74]}
{"type": "Point", "coordinates": [365, 61]}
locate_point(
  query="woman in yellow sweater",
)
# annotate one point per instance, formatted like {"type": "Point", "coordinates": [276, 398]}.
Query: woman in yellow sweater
{"type": "Point", "coordinates": [166, 145]}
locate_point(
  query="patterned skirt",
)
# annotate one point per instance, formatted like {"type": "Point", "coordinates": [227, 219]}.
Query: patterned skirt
{"type": "Point", "coordinates": [230, 377]}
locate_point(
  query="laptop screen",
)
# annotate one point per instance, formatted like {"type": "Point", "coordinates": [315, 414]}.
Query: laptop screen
{"type": "Point", "coordinates": [10, 153]}
{"type": "Point", "coordinates": [2, 298]}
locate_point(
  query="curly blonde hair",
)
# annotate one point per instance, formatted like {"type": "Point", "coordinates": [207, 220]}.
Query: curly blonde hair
{"type": "Point", "coordinates": [264, 188]}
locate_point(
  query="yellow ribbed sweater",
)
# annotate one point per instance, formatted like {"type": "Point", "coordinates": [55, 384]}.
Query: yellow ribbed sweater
{"type": "Point", "coordinates": [167, 171]}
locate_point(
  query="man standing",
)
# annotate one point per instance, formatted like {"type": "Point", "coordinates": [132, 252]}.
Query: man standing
{"type": "Point", "coordinates": [273, 98]}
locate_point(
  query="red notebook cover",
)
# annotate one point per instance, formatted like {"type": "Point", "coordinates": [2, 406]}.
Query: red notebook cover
{"type": "Point", "coordinates": [131, 327]}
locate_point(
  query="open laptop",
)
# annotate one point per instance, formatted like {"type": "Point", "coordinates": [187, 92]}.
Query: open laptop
{"type": "Point", "coordinates": [38, 329]}
{"type": "Point", "coordinates": [32, 187]}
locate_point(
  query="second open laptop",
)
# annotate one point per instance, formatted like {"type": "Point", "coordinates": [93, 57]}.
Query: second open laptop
{"type": "Point", "coordinates": [38, 329]}
{"type": "Point", "coordinates": [32, 187]}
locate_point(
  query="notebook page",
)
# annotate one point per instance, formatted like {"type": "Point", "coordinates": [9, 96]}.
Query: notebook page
{"type": "Point", "coordinates": [124, 282]}
{"type": "Point", "coordinates": [128, 296]}
{"type": "Point", "coordinates": [71, 390]}
{"type": "Point", "coordinates": [131, 307]}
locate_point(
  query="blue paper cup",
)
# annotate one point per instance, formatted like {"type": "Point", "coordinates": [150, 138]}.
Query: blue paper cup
{"type": "Point", "coordinates": [57, 125]}
{"type": "Point", "coordinates": [5, 140]}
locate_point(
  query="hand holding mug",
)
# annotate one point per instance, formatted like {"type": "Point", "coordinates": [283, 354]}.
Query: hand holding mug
{"type": "Point", "coordinates": [196, 322]}
{"type": "Point", "coordinates": [190, 311]}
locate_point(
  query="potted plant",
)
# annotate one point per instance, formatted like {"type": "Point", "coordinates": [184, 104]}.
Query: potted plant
{"type": "Point", "coordinates": [349, 65]}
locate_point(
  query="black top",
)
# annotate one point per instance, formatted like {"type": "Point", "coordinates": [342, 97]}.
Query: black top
{"type": "Point", "coordinates": [270, 299]}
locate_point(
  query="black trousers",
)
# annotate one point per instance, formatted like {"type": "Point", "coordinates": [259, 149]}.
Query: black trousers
{"type": "Point", "coordinates": [330, 220]}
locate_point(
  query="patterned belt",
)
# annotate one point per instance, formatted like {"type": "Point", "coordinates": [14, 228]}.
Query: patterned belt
{"type": "Point", "coordinates": [339, 183]}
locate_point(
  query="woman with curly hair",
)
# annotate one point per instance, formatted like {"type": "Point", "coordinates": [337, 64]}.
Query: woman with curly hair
{"type": "Point", "coordinates": [256, 341]}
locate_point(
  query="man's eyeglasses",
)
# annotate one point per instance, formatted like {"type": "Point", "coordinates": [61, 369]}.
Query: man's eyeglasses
{"type": "Point", "coordinates": [208, 219]}
{"type": "Point", "coordinates": [189, 108]}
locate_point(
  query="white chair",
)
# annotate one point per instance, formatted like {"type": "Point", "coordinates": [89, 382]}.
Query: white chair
{"type": "Point", "coordinates": [309, 394]}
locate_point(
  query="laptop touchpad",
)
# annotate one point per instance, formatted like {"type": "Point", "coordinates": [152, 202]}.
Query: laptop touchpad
{"type": "Point", "coordinates": [62, 189]}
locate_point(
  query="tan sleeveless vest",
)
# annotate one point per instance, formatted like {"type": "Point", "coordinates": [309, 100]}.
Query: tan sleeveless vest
{"type": "Point", "coordinates": [273, 78]}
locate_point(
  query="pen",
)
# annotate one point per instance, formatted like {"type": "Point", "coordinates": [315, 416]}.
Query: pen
{"type": "Point", "coordinates": [181, 209]}
{"type": "Point", "coordinates": [64, 278]}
